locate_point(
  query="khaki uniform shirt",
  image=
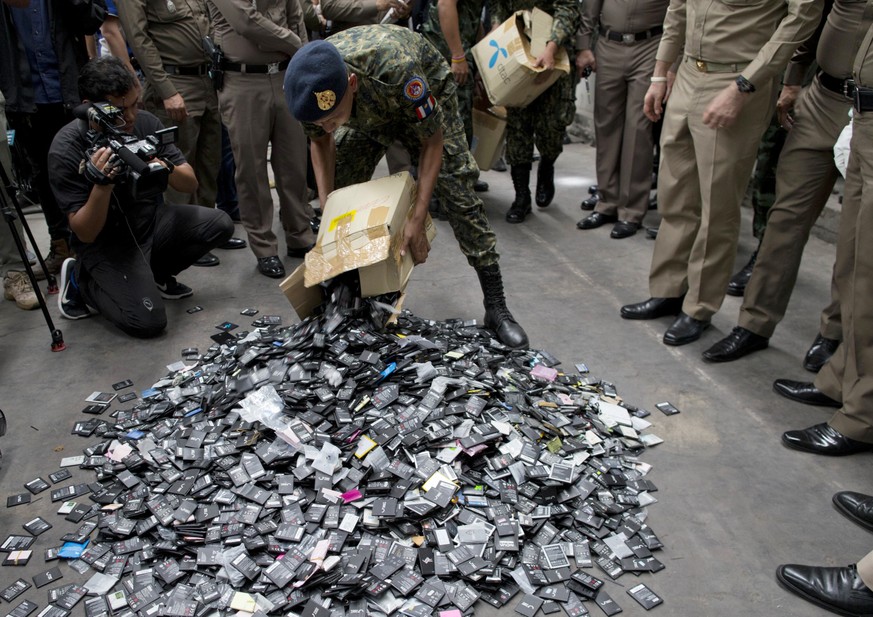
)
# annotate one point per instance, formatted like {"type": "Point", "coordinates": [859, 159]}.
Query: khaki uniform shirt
{"type": "Point", "coordinates": [165, 32]}
{"type": "Point", "coordinates": [258, 32]}
{"type": "Point", "coordinates": [762, 34]}
{"type": "Point", "coordinates": [837, 43]}
{"type": "Point", "coordinates": [862, 69]}
{"type": "Point", "coordinates": [625, 16]}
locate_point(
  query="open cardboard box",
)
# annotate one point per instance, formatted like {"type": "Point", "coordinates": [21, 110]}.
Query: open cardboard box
{"type": "Point", "coordinates": [505, 59]}
{"type": "Point", "coordinates": [489, 135]}
{"type": "Point", "coordinates": [361, 229]}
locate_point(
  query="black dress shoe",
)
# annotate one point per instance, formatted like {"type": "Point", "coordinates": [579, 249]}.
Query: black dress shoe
{"type": "Point", "coordinates": [652, 308]}
{"type": "Point", "coordinates": [233, 244]}
{"type": "Point", "coordinates": [652, 232]}
{"type": "Point", "coordinates": [207, 261]}
{"type": "Point", "coordinates": [593, 189]}
{"type": "Point", "coordinates": [684, 330]}
{"type": "Point", "coordinates": [839, 590]}
{"type": "Point", "coordinates": [819, 353]}
{"type": "Point", "coordinates": [595, 220]}
{"type": "Point", "coordinates": [824, 439]}
{"type": "Point", "coordinates": [300, 253]}
{"type": "Point", "coordinates": [740, 342]}
{"type": "Point", "coordinates": [591, 202]}
{"type": "Point", "coordinates": [480, 186]}
{"type": "Point", "coordinates": [804, 392]}
{"type": "Point", "coordinates": [271, 266]}
{"type": "Point", "coordinates": [623, 229]}
{"type": "Point", "coordinates": [856, 506]}
{"type": "Point", "coordinates": [737, 284]}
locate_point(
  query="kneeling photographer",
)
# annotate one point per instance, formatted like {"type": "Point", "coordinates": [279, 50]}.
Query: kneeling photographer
{"type": "Point", "coordinates": [108, 169]}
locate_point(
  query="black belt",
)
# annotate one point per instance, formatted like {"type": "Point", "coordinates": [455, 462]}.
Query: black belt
{"type": "Point", "coordinates": [846, 87]}
{"type": "Point", "coordinates": [863, 99]}
{"type": "Point", "coordinates": [633, 37]}
{"type": "Point", "coordinates": [273, 67]}
{"type": "Point", "coordinates": [198, 69]}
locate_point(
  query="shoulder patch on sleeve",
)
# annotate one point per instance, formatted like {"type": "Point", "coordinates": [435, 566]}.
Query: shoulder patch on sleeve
{"type": "Point", "coordinates": [416, 89]}
{"type": "Point", "coordinates": [426, 108]}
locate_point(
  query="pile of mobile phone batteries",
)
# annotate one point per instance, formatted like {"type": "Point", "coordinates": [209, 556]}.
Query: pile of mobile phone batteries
{"type": "Point", "coordinates": [339, 467]}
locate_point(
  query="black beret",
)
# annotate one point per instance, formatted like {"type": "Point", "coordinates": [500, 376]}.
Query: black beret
{"type": "Point", "coordinates": [315, 81]}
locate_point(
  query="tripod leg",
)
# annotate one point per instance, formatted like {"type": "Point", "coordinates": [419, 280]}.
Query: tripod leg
{"type": "Point", "coordinates": [57, 337]}
{"type": "Point", "coordinates": [52, 287]}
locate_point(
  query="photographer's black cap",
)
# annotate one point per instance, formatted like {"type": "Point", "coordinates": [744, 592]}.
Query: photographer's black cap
{"type": "Point", "coordinates": [315, 81]}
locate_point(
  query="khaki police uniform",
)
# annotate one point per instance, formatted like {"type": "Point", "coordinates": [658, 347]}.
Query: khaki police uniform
{"type": "Point", "coordinates": [704, 172]}
{"type": "Point", "coordinates": [806, 173]}
{"type": "Point", "coordinates": [630, 31]}
{"type": "Point", "coordinates": [258, 42]}
{"type": "Point", "coordinates": [166, 37]}
{"type": "Point", "coordinates": [847, 376]}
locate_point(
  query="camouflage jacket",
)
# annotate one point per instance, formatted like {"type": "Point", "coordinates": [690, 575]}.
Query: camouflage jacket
{"type": "Point", "coordinates": [566, 13]}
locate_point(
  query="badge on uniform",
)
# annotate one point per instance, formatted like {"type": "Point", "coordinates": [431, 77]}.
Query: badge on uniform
{"type": "Point", "coordinates": [426, 108]}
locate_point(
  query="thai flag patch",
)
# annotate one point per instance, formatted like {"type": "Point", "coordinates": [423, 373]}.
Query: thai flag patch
{"type": "Point", "coordinates": [426, 108]}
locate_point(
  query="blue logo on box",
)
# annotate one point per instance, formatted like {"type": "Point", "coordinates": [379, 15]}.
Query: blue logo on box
{"type": "Point", "coordinates": [498, 50]}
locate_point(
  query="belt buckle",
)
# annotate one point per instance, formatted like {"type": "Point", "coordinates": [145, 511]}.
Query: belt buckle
{"type": "Point", "coordinates": [701, 65]}
{"type": "Point", "coordinates": [628, 37]}
{"type": "Point", "coordinates": [849, 88]}
{"type": "Point", "coordinates": [272, 68]}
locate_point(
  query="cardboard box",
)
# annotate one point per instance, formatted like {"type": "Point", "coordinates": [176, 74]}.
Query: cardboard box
{"type": "Point", "coordinates": [304, 299]}
{"type": "Point", "coordinates": [489, 135]}
{"type": "Point", "coordinates": [506, 56]}
{"type": "Point", "coordinates": [361, 229]}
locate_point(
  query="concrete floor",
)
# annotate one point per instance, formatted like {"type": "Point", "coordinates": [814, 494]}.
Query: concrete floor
{"type": "Point", "coordinates": [733, 502]}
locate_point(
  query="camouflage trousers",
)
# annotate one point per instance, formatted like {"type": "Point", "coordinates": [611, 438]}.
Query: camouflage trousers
{"type": "Point", "coordinates": [543, 123]}
{"type": "Point", "coordinates": [358, 152]}
{"type": "Point", "coordinates": [763, 183]}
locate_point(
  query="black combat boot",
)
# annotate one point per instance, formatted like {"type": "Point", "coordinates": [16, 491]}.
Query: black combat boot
{"type": "Point", "coordinates": [520, 208]}
{"type": "Point", "coordinates": [545, 182]}
{"type": "Point", "coordinates": [497, 316]}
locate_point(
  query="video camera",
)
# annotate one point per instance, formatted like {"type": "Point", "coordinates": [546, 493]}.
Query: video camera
{"type": "Point", "coordinates": [135, 159]}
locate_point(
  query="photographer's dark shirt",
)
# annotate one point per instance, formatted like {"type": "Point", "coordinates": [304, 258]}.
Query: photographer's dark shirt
{"type": "Point", "coordinates": [127, 219]}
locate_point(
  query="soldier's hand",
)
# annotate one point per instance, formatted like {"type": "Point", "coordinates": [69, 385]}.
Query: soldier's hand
{"type": "Point", "coordinates": [175, 108]}
{"type": "Point", "coordinates": [460, 71]}
{"type": "Point", "coordinates": [584, 60]}
{"type": "Point", "coordinates": [785, 106]}
{"type": "Point", "coordinates": [415, 241]}
{"type": "Point", "coordinates": [547, 59]}
{"type": "Point", "coordinates": [723, 110]}
{"type": "Point", "coordinates": [653, 104]}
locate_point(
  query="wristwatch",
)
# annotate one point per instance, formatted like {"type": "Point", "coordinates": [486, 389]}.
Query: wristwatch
{"type": "Point", "coordinates": [744, 85]}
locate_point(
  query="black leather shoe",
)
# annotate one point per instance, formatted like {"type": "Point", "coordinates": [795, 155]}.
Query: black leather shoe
{"type": "Point", "coordinates": [737, 284]}
{"type": "Point", "coordinates": [839, 590]}
{"type": "Point", "coordinates": [299, 253]}
{"type": "Point", "coordinates": [819, 353]}
{"type": "Point", "coordinates": [804, 392]}
{"type": "Point", "coordinates": [233, 244]}
{"type": "Point", "coordinates": [595, 220]}
{"type": "Point", "coordinates": [740, 342]}
{"type": "Point", "coordinates": [480, 186]}
{"type": "Point", "coordinates": [591, 202]}
{"type": "Point", "coordinates": [508, 331]}
{"type": "Point", "coordinates": [684, 330]}
{"type": "Point", "coordinates": [824, 439]}
{"type": "Point", "coordinates": [652, 232]}
{"type": "Point", "coordinates": [207, 261]}
{"type": "Point", "coordinates": [271, 266]}
{"type": "Point", "coordinates": [623, 229]}
{"type": "Point", "coordinates": [652, 308]}
{"type": "Point", "coordinates": [856, 506]}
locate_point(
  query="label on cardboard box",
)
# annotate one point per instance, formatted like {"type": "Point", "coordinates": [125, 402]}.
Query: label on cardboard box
{"type": "Point", "coordinates": [505, 59]}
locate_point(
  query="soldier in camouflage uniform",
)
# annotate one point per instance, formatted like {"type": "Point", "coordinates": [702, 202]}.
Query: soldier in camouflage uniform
{"type": "Point", "coordinates": [544, 120]}
{"type": "Point", "coordinates": [354, 103]}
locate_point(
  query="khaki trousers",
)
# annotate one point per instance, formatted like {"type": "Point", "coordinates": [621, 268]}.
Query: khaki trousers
{"type": "Point", "coordinates": [254, 111]}
{"type": "Point", "coordinates": [701, 182]}
{"type": "Point", "coordinates": [625, 144]}
{"type": "Point", "coordinates": [805, 177]}
{"type": "Point", "coordinates": [865, 569]}
{"type": "Point", "coordinates": [848, 376]}
{"type": "Point", "coordinates": [199, 136]}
